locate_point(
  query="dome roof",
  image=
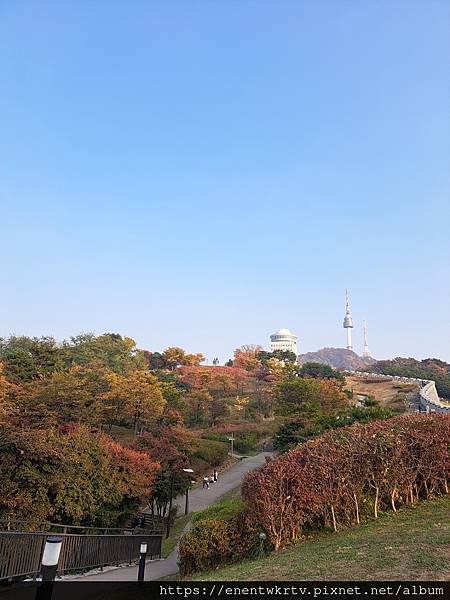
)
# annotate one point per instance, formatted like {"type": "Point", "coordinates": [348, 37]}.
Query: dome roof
{"type": "Point", "coordinates": [284, 332]}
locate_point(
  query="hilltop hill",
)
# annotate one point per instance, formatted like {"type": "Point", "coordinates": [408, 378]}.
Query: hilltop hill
{"type": "Point", "coordinates": [339, 358]}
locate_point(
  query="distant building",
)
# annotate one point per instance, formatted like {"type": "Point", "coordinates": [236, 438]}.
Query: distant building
{"type": "Point", "coordinates": [283, 339]}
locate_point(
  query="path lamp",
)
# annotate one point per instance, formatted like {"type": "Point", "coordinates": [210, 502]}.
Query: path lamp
{"type": "Point", "coordinates": [172, 477]}
{"type": "Point", "coordinates": [49, 566]}
{"type": "Point", "coordinates": [142, 556]}
{"type": "Point", "coordinates": [262, 538]}
{"type": "Point", "coordinates": [186, 504]}
{"type": "Point", "coordinates": [231, 439]}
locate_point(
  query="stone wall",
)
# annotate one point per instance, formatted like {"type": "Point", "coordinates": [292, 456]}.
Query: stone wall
{"type": "Point", "coordinates": [428, 398]}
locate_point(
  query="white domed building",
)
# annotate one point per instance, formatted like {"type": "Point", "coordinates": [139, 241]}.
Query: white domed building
{"type": "Point", "coordinates": [283, 339]}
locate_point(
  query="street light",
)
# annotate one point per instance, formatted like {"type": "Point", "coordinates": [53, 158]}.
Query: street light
{"type": "Point", "coordinates": [231, 439]}
{"type": "Point", "coordinates": [49, 566]}
{"type": "Point", "coordinates": [186, 504]}
{"type": "Point", "coordinates": [142, 555]}
{"type": "Point", "coordinates": [172, 477]}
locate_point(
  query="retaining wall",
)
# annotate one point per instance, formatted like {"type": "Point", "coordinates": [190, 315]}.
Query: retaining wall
{"type": "Point", "coordinates": [428, 397]}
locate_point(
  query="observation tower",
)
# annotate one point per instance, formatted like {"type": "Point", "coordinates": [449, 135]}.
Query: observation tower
{"type": "Point", "coordinates": [348, 322]}
{"type": "Point", "coordinates": [366, 353]}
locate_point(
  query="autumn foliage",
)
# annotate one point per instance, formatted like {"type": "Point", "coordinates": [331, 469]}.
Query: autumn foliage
{"type": "Point", "coordinates": [340, 478]}
{"type": "Point", "coordinates": [348, 474]}
{"type": "Point", "coordinates": [72, 475]}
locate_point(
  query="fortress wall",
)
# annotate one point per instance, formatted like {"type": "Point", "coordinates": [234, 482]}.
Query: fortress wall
{"type": "Point", "coordinates": [428, 397]}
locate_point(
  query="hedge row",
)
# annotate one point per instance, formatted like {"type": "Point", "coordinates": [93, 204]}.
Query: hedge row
{"type": "Point", "coordinates": [345, 474]}
{"type": "Point", "coordinates": [341, 477]}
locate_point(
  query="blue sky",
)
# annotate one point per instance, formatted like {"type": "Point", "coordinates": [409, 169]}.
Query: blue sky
{"type": "Point", "coordinates": [201, 173]}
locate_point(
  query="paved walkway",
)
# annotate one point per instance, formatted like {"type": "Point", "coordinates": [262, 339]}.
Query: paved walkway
{"type": "Point", "coordinates": [198, 499]}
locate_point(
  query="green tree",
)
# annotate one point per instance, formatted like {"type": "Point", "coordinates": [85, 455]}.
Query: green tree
{"type": "Point", "coordinates": [301, 395]}
{"type": "Point", "coordinates": [73, 396]}
{"type": "Point", "coordinates": [28, 358]}
{"type": "Point", "coordinates": [285, 356]}
{"type": "Point", "coordinates": [142, 397]}
{"type": "Point", "coordinates": [116, 353]}
{"type": "Point", "coordinates": [321, 371]}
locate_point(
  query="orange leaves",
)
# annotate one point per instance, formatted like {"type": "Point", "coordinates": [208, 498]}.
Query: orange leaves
{"type": "Point", "coordinates": [247, 357]}
{"type": "Point", "coordinates": [214, 379]}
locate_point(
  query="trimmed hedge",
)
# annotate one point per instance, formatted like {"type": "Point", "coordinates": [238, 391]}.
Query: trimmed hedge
{"type": "Point", "coordinates": [213, 542]}
{"type": "Point", "coordinates": [340, 478]}
{"type": "Point", "coordinates": [346, 473]}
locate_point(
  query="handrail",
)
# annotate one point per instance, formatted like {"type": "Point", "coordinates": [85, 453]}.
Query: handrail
{"type": "Point", "coordinates": [45, 526]}
{"type": "Point", "coordinates": [21, 552]}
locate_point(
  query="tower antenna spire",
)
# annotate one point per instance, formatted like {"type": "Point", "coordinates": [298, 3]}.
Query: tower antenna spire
{"type": "Point", "coordinates": [348, 322]}
{"type": "Point", "coordinates": [366, 353]}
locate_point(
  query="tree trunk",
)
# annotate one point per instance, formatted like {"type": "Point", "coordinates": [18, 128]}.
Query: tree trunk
{"type": "Point", "coordinates": [357, 508]}
{"type": "Point", "coordinates": [334, 518]}
{"type": "Point", "coordinates": [375, 506]}
{"type": "Point", "coordinates": [393, 500]}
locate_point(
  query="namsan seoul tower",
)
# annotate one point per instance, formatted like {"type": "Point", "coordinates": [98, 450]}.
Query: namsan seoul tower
{"type": "Point", "coordinates": [348, 322]}
{"type": "Point", "coordinates": [366, 353]}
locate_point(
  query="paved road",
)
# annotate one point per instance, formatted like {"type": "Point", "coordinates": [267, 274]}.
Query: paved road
{"type": "Point", "coordinates": [198, 499]}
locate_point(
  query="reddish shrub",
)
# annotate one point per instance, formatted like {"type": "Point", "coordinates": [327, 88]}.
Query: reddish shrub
{"type": "Point", "coordinates": [333, 478]}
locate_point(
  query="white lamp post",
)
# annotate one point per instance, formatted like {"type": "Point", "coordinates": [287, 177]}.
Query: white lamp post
{"type": "Point", "coordinates": [142, 555]}
{"type": "Point", "coordinates": [231, 439]}
{"type": "Point", "coordinates": [49, 566]}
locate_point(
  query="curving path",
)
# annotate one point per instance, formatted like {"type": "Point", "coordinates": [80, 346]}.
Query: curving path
{"type": "Point", "coordinates": [198, 500]}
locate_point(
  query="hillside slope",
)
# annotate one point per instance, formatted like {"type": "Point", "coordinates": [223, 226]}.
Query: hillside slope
{"type": "Point", "coordinates": [412, 544]}
{"type": "Point", "coordinates": [339, 358]}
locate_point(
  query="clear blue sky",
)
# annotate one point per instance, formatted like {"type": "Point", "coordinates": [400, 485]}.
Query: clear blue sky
{"type": "Point", "coordinates": [201, 173]}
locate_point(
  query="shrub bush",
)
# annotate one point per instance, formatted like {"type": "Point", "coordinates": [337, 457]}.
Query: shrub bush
{"type": "Point", "coordinates": [246, 442]}
{"type": "Point", "coordinates": [213, 542]}
{"type": "Point", "coordinates": [328, 480]}
{"type": "Point", "coordinates": [212, 452]}
{"type": "Point", "coordinates": [217, 437]}
{"type": "Point", "coordinates": [341, 477]}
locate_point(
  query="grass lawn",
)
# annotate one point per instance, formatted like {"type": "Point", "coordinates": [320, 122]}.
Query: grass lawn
{"type": "Point", "coordinates": [390, 394]}
{"type": "Point", "coordinates": [233, 494]}
{"type": "Point", "coordinates": [413, 544]}
{"type": "Point", "coordinates": [175, 534]}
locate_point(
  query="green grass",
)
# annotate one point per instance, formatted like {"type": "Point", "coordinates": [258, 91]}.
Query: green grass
{"type": "Point", "coordinates": [413, 544]}
{"type": "Point", "coordinates": [175, 534]}
{"type": "Point", "coordinates": [223, 510]}
{"type": "Point", "coordinates": [234, 494]}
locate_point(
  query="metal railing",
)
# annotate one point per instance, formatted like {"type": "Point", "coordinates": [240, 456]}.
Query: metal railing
{"type": "Point", "coordinates": [21, 552]}
{"type": "Point", "coordinates": [150, 526]}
